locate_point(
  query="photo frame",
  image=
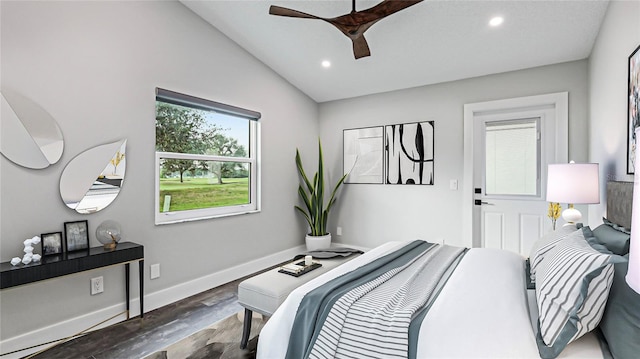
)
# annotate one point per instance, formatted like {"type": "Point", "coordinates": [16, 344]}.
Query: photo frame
{"type": "Point", "coordinates": [409, 153]}
{"type": "Point", "coordinates": [51, 243]}
{"type": "Point", "coordinates": [76, 235]}
{"type": "Point", "coordinates": [363, 155]}
{"type": "Point", "coordinates": [633, 108]}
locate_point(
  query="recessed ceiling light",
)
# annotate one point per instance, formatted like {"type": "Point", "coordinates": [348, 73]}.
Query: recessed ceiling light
{"type": "Point", "coordinates": [496, 21]}
{"type": "Point", "coordinates": [326, 63]}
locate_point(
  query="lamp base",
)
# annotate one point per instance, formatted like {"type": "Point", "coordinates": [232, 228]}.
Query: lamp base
{"type": "Point", "coordinates": [111, 245]}
{"type": "Point", "coordinates": [571, 215]}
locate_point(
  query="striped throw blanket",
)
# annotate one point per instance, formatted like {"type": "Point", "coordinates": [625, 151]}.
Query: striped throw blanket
{"type": "Point", "coordinates": [370, 316]}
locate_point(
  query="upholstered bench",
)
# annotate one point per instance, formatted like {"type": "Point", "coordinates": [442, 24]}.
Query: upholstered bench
{"type": "Point", "coordinates": [265, 292]}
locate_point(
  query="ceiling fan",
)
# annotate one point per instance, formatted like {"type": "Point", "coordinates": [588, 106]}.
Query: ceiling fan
{"type": "Point", "coordinates": [355, 23]}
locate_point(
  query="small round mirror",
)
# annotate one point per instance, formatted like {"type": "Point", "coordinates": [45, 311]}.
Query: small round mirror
{"type": "Point", "coordinates": [92, 180]}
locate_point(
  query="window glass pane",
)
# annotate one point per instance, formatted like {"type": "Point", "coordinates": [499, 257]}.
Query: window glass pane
{"type": "Point", "coordinates": [233, 140]}
{"type": "Point", "coordinates": [183, 129]}
{"type": "Point", "coordinates": [511, 157]}
{"type": "Point", "coordinates": [191, 184]}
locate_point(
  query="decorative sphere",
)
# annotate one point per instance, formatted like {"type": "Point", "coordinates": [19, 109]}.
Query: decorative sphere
{"type": "Point", "coordinates": [108, 233]}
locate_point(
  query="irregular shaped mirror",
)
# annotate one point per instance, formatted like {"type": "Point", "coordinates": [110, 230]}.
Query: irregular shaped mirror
{"type": "Point", "coordinates": [92, 180]}
{"type": "Point", "coordinates": [29, 136]}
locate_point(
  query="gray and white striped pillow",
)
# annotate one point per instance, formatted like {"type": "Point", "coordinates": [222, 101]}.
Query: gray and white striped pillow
{"type": "Point", "coordinates": [572, 291]}
{"type": "Point", "coordinates": [545, 244]}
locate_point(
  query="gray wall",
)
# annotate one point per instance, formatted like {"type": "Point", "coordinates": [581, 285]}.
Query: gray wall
{"type": "Point", "coordinates": [94, 66]}
{"type": "Point", "coordinates": [608, 79]}
{"type": "Point", "coordinates": [373, 214]}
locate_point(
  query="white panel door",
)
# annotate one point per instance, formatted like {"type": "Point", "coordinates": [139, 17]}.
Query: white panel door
{"type": "Point", "coordinates": [493, 229]}
{"type": "Point", "coordinates": [512, 148]}
{"type": "Point", "coordinates": [512, 226]}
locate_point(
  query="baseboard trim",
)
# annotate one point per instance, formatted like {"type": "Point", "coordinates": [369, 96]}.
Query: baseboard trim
{"type": "Point", "coordinates": [152, 301]}
{"type": "Point", "coordinates": [170, 295]}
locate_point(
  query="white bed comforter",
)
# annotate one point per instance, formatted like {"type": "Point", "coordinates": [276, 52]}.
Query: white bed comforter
{"type": "Point", "coordinates": [482, 312]}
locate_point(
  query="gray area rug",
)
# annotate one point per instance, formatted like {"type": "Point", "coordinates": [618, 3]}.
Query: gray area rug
{"type": "Point", "coordinates": [220, 340]}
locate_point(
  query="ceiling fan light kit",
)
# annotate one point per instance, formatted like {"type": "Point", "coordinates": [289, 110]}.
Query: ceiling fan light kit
{"type": "Point", "coordinates": [355, 23]}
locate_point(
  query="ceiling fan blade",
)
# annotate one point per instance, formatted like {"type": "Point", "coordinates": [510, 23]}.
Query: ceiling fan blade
{"type": "Point", "coordinates": [283, 11]}
{"type": "Point", "coordinates": [386, 8]}
{"type": "Point", "coordinates": [360, 47]}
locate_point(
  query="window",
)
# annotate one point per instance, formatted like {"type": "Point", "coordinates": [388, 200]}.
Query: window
{"type": "Point", "coordinates": [512, 157]}
{"type": "Point", "coordinates": [206, 159]}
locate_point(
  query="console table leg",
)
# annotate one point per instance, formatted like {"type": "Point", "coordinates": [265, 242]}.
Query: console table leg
{"type": "Point", "coordinates": [141, 272]}
{"type": "Point", "coordinates": [126, 285]}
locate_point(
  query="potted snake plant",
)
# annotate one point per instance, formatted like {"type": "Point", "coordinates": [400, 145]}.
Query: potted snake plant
{"type": "Point", "coordinates": [315, 211]}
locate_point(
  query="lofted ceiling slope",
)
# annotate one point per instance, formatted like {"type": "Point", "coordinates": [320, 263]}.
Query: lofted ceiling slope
{"type": "Point", "coordinates": [430, 42]}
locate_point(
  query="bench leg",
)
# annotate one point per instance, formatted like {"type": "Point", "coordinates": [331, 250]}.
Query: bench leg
{"type": "Point", "coordinates": [246, 329]}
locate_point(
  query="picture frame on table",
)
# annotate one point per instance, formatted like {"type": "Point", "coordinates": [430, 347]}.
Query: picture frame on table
{"type": "Point", "coordinates": [52, 244]}
{"type": "Point", "coordinates": [633, 108]}
{"type": "Point", "coordinates": [76, 235]}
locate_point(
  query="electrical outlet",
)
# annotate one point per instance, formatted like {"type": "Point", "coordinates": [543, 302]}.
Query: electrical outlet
{"type": "Point", "coordinates": [338, 231]}
{"type": "Point", "coordinates": [97, 285]}
{"type": "Point", "coordinates": [155, 271]}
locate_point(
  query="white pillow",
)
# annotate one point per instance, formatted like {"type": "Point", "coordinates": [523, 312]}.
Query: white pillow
{"type": "Point", "coordinates": [546, 243]}
{"type": "Point", "coordinates": [572, 290]}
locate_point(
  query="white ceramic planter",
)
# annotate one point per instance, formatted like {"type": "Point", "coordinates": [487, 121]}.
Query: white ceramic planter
{"type": "Point", "coordinates": [318, 242]}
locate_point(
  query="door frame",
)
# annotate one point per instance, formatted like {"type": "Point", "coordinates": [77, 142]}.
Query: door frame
{"type": "Point", "coordinates": [558, 101]}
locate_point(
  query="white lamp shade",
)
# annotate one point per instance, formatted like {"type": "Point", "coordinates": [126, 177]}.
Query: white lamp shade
{"type": "Point", "coordinates": [574, 183]}
{"type": "Point", "coordinates": [633, 273]}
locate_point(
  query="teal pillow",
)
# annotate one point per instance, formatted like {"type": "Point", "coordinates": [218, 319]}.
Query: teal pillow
{"type": "Point", "coordinates": [616, 226]}
{"type": "Point", "coordinates": [593, 241]}
{"type": "Point", "coordinates": [620, 323]}
{"type": "Point", "coordinates": [615, 240]}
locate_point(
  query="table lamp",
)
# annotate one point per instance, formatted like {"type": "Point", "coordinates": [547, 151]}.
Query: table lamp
{"type": "Point", "coordinates": [573, 183]}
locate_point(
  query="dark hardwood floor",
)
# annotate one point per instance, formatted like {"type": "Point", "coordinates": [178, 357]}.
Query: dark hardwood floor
{"type": "Point", "coordinates": [137, 338]}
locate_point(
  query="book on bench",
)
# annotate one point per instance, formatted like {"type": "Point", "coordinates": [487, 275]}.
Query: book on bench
{"type": "Point", "coordinates": [297, 268]}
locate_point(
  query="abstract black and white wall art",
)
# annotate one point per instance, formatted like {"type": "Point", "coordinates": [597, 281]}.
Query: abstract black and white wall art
{"type": "Point", "coordinates": [408, 151]}
{"type": "Point", "coordinates": [363, 155]}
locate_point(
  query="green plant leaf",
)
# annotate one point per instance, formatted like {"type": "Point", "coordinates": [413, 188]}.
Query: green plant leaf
{"type": "Point", "coordinates": [305, 215]}
{"type": "Point", "coordinates": [301, 171]}
{"type": "Point", "coordinates": [305, 198]}
{"type": "Point", "coordinates": [316, 214]}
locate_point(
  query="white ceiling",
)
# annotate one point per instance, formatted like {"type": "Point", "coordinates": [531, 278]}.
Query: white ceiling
{"type": "Point", "coordinates": [430, 42]}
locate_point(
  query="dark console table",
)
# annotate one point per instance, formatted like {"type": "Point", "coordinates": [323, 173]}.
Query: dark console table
{"type": "Point", "coordinates": [75, 262]}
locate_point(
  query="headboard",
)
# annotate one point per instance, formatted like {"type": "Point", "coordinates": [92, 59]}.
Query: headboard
{"type": "Point", "coordinates": [619, 199]}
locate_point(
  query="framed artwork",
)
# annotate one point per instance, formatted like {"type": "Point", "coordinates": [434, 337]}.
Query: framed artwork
{"type": "Point", "coordinates": [633, 108]}
{"type": "Point", "coordinates": [51, 243]}
{"type": "Point", "coordinates": [408, 152]}
{"type": "Point", "coordinates": [363, 155]}
{"type": "Point", "coordinates": [77, 235]}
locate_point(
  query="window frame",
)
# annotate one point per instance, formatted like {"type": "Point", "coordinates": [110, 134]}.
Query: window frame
{"type": "Point", "coordinates": [514, 119]}
{"type": "Point", "coordinates": [253, 160]}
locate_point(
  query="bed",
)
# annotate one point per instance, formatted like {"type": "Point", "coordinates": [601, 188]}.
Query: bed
{"type": "Point", "coordinates": [477, 307]}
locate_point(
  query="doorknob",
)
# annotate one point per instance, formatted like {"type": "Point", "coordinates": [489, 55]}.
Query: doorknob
{"type": "Point", "coordinates": [479, 202]}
